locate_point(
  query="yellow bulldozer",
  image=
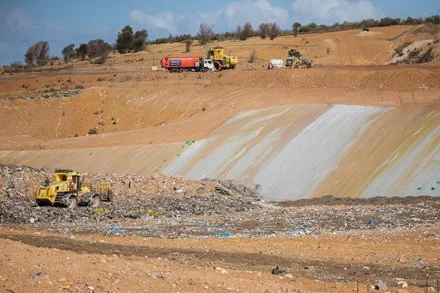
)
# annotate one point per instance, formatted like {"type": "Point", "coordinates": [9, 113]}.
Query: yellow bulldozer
{"type": "Point", "coordinates": [68, 190]}
{"type": "Point", "coordinates": [220, 60]}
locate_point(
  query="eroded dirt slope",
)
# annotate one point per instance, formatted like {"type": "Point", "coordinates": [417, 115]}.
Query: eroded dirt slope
{"type": "Point", "coordinates": [162, 107]}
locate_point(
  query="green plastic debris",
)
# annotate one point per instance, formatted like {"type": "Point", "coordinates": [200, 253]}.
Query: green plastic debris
{"type": "Point", "coordinates": [190, 142]}
{"type": "Point", "coordinates": [419, 188]}
{"type": "Point", "coordinates": [438, 182]}
{"type": "Point", "coordinates": [432, 188]}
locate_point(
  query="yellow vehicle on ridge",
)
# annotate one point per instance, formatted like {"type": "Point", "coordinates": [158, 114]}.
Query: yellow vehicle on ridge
{"type": "Point", "coordinates": [67, 189]}
{"type": "Point", "coordinates": [221, 61]}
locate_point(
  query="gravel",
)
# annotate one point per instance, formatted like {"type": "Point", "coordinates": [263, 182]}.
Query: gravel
{"type": "Point", "coordinates": [172, 207]}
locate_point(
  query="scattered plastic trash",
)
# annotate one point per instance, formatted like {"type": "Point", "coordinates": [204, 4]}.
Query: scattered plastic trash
{"type": "Point", "coordinates": [190, 142]}
{"type": "Point", "coordinates": [381, 285]}
{"type": "Point", "coordinates": [297, 232]}
{"type": "Point", "coordinates": [76, 230]}
{"type": "Point", "coordinates": [418, 261]}
{"type": "Point", "coordinates": [115, 228]}
{"type": "Point", "coordinates": [371, 222]}
{"type": "Point", "coordinates": [39, 274]}
{"type": "Point", "coordinates": [223, 234]}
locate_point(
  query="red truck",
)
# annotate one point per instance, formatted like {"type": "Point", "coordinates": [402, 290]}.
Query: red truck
{"type": "Point", "coordinates": [180, 64]}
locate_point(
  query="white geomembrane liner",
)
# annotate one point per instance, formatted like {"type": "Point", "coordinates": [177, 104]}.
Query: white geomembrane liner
{"type": "Point", "coordinates": [314, 153]}
{"type": "Point", "coordinates": [414, 173]}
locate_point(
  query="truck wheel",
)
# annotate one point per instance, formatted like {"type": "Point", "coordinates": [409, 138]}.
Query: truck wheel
{"type": "Point", "coordinates": [218, 66]}
{"type": "Point", "coordinates": [95, 201]}
{"type": "Point", "coordinates": [72, 202]}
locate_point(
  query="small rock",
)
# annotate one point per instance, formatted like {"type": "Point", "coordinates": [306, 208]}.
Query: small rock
{"type": "Point", "coordinates": [278, 271]}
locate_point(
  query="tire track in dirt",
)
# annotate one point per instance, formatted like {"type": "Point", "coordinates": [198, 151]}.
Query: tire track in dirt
{"type": "Point", "coordinates": [316, 269]}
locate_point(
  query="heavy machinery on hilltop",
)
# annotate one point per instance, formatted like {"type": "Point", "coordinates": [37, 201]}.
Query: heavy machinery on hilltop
{"type": "Point", "coordinates": [296, 60]}
{"type": "Point", "coordinates": [181, 64]}
{"type": "Point", "coordinates": [221, 61]}
{"type": "Point", "coordinates": [68, 190]}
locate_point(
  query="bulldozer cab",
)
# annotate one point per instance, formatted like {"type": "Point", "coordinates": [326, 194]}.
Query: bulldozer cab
{"type": "Point", "coordinates": [216, 53]}
{"type": "Point", "coordinates": [73, 178]}
{"type": "Point", "coordinates": [294, 53]}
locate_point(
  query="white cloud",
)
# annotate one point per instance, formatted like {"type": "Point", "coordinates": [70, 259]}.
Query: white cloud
{"type": "Point", "coordinates": [165, 20]}
{"type": "Point", "coordinates": [17, 20]}
{"type": "Point", "coordinates": [255, 11]}
{"type": "Point", "coordinates": [227, 18]}
{"type": "Point", "coordinates": [328, 11]}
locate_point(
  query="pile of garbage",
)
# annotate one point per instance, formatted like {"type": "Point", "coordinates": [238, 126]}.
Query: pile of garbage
{"type": "Point", "coordinates": [162, 206]}
{"type": "Point", "coordinates": [135, 197]}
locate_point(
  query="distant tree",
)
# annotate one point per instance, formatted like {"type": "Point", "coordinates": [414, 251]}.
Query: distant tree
{"type": "Point", "coordinates": [248, 31]}
{"type": "Point", "coordinates": [81, 51]}
{"type": "Point", "coordinates": [124, 41]}
{"type": "Point", "coordinates": [42, 53]}
{"type": "Point", "coordinates": [29, 56]}
{"type": "Point", "coordinates": [188, 44]}
{"type": "Point", "coordinates": [310, 27]}
{"type": "Point", "coordinates": [264, 29]}
{"type": "Point", "coordinates": [274, 30]}
{"type": "Point", "coordinates": [98, 49]}
{"type": "Point", "coordinates": [206, 33]}
{"type": "Point", "coordinates": [38, 53]}
{"type": "Point", "coordinates": [295, 28]}
{"type": "Point", "coordinates": [239, 32]}
{"type": "Point", "coordinates": [365, 23]}
{"type": "Point", "coordinates": [433, 19]}
{"type": "Point", "coordinates": [68, 52]}
{"type": "Point", "coordinates": [139, 41]}
{"type": "Point", "coordinates": [387, 21]}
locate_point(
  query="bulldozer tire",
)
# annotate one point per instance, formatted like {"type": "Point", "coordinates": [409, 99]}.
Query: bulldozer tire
{"type": "Point", "coordinates": [110, 196]}
{"type": "Point", "coordinates": [95, 201]}
{"type": "Point", "coordinates": [72, 202]}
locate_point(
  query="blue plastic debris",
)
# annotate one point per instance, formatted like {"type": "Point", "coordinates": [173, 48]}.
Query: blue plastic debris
{"type": "Point", "coordinates": [223, 234]}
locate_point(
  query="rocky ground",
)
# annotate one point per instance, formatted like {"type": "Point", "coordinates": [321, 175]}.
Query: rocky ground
{"type": "Point", "coordinates": [169, 207]}
{"type": "Point", "coordinates": [174, 209]}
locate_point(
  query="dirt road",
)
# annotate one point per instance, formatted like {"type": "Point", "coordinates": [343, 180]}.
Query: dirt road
{"type": "Point", "coordinates": [111, 263]}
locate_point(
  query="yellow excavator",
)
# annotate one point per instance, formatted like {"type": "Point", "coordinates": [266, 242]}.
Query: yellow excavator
{"type": "Point", "coordinates": [67, 189]}
{"type": "Point", "coordinates": [220, 60]}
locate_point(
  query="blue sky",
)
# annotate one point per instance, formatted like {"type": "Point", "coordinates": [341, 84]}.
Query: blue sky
{"type": "Point", "coordinates": [25, 22]}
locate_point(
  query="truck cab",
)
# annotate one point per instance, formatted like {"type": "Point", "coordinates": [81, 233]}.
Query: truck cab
{"type": "Point", "coordinates": [207, 65]}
